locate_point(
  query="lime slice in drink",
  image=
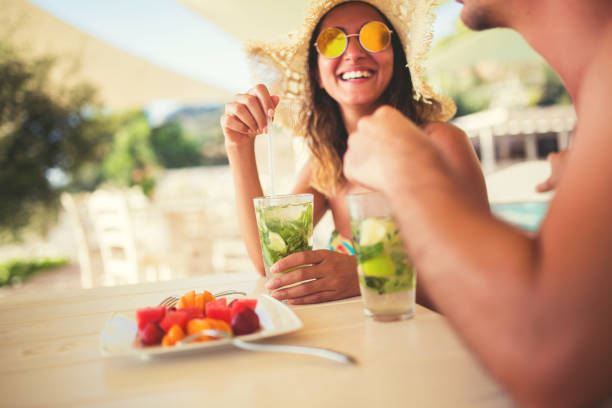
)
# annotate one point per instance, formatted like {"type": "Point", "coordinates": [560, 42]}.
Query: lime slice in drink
{"type": "Point", "coordinates": [372, 232]}
{"type": "Point", "coordinates": [380, 266]}
{"type": "Point", "coordinates": [288, 212]}
{"type": "Point", "coordinates": [276, 242]}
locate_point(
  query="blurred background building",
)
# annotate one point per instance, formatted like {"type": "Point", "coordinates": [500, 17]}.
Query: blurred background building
{"type": "Point", "coordinates": [113, 165]}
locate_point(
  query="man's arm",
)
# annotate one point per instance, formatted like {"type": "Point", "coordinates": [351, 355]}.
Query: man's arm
{"type": "Point", "coordinates": [537, 312]}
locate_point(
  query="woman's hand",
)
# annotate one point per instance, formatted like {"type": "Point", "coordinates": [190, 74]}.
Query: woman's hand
{"type": "Point", "coordinates": [247, 116]}
{"type": "Point", "coordinates": [334, 274]}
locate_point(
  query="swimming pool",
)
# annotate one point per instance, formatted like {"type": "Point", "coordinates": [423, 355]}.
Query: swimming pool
{"type": "Point", "coordinates": [526, 215]}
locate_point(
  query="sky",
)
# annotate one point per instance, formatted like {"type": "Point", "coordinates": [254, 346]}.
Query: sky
{"type": "Point", "coordinates": [170, 35]}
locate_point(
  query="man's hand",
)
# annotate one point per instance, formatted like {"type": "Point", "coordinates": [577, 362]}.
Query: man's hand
{"type": "Point", "coordinates": [557, 165]}
{"type": "Point", "coordinates": [386, 149]}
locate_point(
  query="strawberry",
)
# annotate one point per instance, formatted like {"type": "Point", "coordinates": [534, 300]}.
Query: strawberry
{"type": "Point", "coordinates": [237, 305]}
{"type": "Point", "coordinates": [151, 334]}
{"type": "Point", "coordinates": [245, 322]}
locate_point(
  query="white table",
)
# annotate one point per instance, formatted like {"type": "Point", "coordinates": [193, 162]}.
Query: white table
{"type": "Point", "coordinates": [50, 358]}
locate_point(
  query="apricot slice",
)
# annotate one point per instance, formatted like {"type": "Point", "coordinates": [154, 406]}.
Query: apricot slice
{"type": "Point", "coordinates": [196, 325]}
{"type": "Point", "coordinates": [199, 301]}
{"type": "Point", "coordinates": [174, 335]}
{"type": "Point", "coordinates": [222, 325]}
{"type": "Point", "coordinates": [187, 300]}
{"type": "Point", "coordinates": [208, 297]}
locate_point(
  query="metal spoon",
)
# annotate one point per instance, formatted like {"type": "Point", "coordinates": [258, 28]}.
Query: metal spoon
{"type": "Point", "coordinates": [313, 351]}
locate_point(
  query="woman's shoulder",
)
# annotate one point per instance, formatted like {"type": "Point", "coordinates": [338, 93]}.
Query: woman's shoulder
{"type": "Point", "coordinates": [436, 127]}
{"type": "Point", "coordinates": [449, 138]}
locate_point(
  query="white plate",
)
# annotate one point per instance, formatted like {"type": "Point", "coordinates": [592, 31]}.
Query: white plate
{"type": "Point", "coordinates": [117, 338]}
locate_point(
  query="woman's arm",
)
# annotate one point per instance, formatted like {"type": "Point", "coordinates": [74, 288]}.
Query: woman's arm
{"type": "Point", "coordinates": [247, 187]}
{"type": "Point", "coordinates": [245, 118]}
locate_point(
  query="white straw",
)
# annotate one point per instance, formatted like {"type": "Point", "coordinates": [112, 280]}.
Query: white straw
{"type": "Point", "coordinates": [270, 157]}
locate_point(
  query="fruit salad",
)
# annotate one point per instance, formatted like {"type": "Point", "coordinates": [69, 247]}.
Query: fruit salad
{"type": "Point", "coordinates": [193, 313]}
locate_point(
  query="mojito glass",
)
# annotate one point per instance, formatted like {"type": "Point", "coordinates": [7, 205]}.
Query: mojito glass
{"type": "Point", "coordinates": [386, 276]}
{"type": "Point", "coordinates": [285, 226]}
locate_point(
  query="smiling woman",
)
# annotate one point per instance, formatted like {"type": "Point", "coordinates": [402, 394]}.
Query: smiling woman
{"type": "Point", "coordinates": [348, 59]}
{"type": "Point", "coordinates": [357, 77]}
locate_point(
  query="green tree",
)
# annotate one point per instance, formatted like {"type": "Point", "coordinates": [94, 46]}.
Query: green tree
{"type": "Point", "coordinates": [172, 148]}
{"type": "Point", "coordinates": [45, 131]}
{"type": "Point", "coordinates": [132, 160]}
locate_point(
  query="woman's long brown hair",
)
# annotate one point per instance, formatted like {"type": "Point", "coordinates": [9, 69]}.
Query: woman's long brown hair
{"type": "Point", "coordinates": [323, 126]}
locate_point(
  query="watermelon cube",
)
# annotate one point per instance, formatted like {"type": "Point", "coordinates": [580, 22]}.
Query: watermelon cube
{"type": "Point", "coordinates": [193, 312]}
{"type": "Point", "coordinates": [239, 304]}
{"type": "Point", "coordinates": [218, 309]}
{"type": "Point", "coordinates": [178, 317]}
{"type": "Point", "coordinates": [149, 315]}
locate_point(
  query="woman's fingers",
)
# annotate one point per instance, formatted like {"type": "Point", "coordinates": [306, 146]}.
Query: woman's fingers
{"type": "Point", "coordinates": [318, 297]}
{"type": "Point", "coordinates": [255, 109]}
{"type": "Point", "coordinates": [302, 273]}
{"type": "Point", "coordinates": [268, 102]}
{"type": "Point", "coordinates": [241, 112]}
{"type": "Point", "coordinates": [297, 259]}
{"type": "Point", "coordinates": [231, 122]}
{"type": "Point", "coordinates": [304, 291]}
{"type": "Point", "coordinates": [248, 114]}
{"type": "Point", "coordinates": [275, 101]}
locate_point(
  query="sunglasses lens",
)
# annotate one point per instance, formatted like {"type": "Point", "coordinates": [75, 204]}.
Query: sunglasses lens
{"type": "Point", "coordinates": [374, 36]}
{"type": "Point", "coordinates": [331, 42]}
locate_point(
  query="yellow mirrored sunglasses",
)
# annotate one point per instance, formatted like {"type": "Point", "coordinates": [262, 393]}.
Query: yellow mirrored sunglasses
{"type": "Point", "coordinates": [374, 36]}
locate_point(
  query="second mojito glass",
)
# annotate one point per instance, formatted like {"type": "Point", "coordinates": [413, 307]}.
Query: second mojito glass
{"type": "Point", "coordinates": [285, 226]}
{"type": "Point", "coordinates": [386, 276]}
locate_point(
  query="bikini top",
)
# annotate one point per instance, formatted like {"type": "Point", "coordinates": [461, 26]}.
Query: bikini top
{"type": "Point", "coordinates": [341, 244]}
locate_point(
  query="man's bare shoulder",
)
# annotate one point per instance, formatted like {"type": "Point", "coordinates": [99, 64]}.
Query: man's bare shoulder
{"type": "Point", "coordinates": [596, 86]}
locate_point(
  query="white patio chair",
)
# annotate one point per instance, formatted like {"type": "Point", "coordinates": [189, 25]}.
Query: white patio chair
{"type": "Point", "coordinates": [109, 212]}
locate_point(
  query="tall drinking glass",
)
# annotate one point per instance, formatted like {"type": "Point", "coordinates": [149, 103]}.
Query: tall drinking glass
{"type": "Point", "coordinates": [386, 276]}
{"type": "Point", "coordinates": [285, 226]}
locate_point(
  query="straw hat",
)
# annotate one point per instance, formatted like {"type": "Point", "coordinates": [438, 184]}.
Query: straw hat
{"type": "Point", "coordinates": [283, 65]}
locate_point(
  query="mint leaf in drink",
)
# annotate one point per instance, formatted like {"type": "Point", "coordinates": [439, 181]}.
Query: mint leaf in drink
{"type": "Point", "coordinates": [399, 283]}
{"type": "Point", "coordinates": [284, 230]}
{"type": "Point", "coordinates": [368, 252]}
{"type": "Point", "coordinates": [373, 283]}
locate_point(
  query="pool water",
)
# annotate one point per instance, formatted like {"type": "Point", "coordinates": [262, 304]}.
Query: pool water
{"type": "Point", "coordinates": [525, 215]}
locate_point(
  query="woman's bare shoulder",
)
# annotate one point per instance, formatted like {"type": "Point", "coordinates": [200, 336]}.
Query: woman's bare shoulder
{"type": "Point", "coordinates": [436, 127]}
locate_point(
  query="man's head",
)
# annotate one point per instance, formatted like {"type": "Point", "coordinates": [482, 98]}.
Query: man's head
{"type": "Point", "coordinates": [528, 14]}
{"type": "Point", "coordinates": [484, 14]}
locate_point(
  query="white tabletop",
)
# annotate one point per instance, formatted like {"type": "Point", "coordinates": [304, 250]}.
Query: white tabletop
{"type": "Point", "coordinates": [51, 358]}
